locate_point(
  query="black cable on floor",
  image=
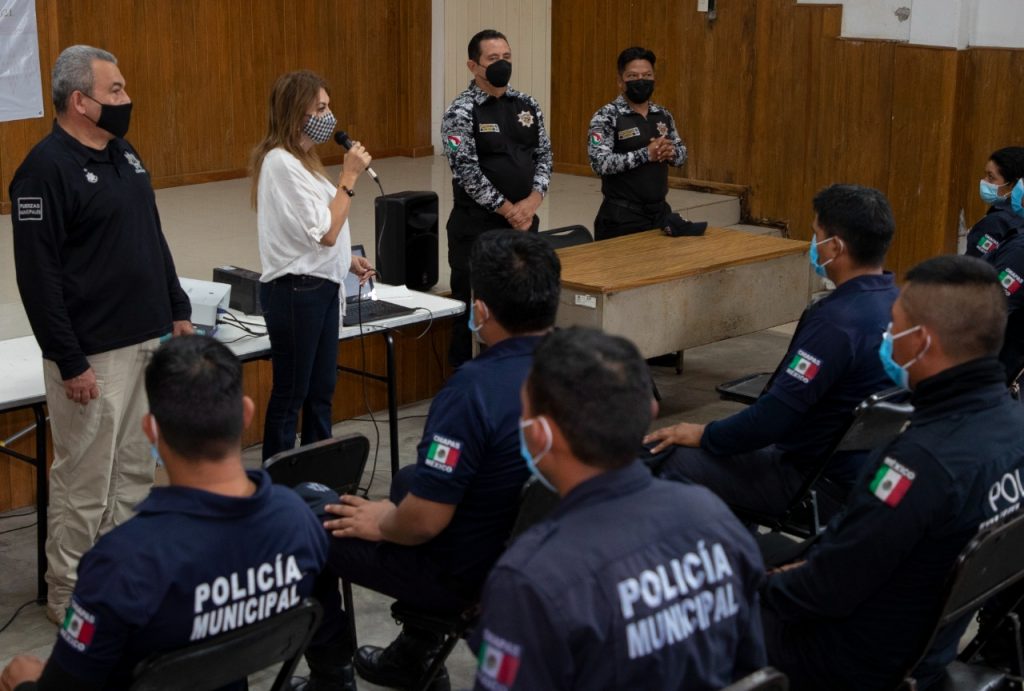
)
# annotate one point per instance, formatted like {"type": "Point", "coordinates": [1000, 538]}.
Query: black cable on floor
{"type": "Point", "coordinates": [17, 612]}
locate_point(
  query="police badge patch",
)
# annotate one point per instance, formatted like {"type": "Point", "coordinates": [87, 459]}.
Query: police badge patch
{"type": "Point", "coordinates": [525, 118]}
{"type": "Point", "coordinates": [662, 129]}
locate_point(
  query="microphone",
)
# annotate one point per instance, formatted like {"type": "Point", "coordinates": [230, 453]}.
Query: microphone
{"type": "Point", "coordinates": [341, 137]}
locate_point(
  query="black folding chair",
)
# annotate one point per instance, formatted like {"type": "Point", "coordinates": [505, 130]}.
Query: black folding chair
{"type": "Point", "coordinates": [764, 679]}
{"type": "Point", "coordinates": [560, 238]}
{"type": "Point", "coordinates": [232, 657]}
{"type": "Point", "coordinates": [535, 502]}
{"type": "Point", "coordinates": [991, 563]}
{"type": "Point", "coordinates": [877, 420]}
{"type": "Point", "coordinates": [337, 463]}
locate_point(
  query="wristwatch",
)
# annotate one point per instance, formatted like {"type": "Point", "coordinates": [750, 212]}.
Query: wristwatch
{"type": "Point", "coordinates": [349, 192]}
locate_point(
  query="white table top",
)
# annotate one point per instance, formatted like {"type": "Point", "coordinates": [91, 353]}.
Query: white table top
{"type": "Point", "coordinates": [21, 361]}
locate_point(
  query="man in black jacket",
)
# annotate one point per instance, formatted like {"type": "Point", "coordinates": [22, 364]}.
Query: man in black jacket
{"type": "Point", "coordinates": [852, 613]}
{"type": "Point", "coordinates": [99, 287]}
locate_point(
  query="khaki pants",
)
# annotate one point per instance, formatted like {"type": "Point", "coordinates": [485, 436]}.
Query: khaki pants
{"type": "Point", "coordinates": [102, 466]}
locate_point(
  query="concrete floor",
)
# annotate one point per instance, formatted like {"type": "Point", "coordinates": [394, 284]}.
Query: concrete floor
{"type": "Point", "coordinates": [212, 224]}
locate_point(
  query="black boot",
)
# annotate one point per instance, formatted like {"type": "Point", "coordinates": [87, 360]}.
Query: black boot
{"type": "Point", "coordinates": [329, 670]}
{"type": "Point", "coordinates": [402, 663]}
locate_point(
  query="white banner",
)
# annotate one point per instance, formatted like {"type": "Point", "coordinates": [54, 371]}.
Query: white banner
{"type": "Point", "coordinates": [21, 89]}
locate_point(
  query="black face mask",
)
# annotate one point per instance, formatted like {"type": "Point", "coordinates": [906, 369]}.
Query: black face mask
{"type": "Point", "coordinates": [639, 90]}
{"type": "Point", "coordinates": [498, 73]}
{"type": "Point", "coordinates": [113, 119]}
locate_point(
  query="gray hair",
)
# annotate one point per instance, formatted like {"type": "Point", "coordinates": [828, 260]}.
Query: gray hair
{"type": "Point", "coordinates": [73, 72]}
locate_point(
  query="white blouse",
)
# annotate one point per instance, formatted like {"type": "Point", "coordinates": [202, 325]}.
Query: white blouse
{"type": "Point", "coordinates": [292, 216]}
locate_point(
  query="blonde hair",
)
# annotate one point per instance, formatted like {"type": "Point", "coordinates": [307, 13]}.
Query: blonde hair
{"type": "Point", "coordinates": [290, 98]}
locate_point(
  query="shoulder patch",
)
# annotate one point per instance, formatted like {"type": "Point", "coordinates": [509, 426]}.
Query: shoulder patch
{"type": "Point", "coordinates": [30, 208]}
{"type": "Point", "coordinates": [892, 481]}
{"type": "Point", "coordinates": [443, 453]}
{"type": "Point", "coordinates": [629, 134]}
{"type": "Point", "coordinates": [452, 142]}
{"type": "Point", "coordinates": [1010, 280]}
{"type": "Point", "coordinates": [803, 367]}
{"type": "Point", "coordinates": [497, 662]}
{"type": "Point", "coordinates": [596, 138]}
{"type": "Point", "coordinates": [987, 243]}
{"type": "Point", "coordinates": [78, 628]}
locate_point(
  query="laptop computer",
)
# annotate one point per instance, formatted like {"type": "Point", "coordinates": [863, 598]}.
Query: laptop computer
{"type": "Point", "coordinates": [360, 307]}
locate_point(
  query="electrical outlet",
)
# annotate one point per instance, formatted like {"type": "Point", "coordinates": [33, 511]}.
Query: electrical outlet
{"type": "Point", "coordinates": [702, 5]}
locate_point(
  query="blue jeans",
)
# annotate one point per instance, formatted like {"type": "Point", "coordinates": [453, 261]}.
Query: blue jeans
{"type": "Point", "coordinates": [302, 321]}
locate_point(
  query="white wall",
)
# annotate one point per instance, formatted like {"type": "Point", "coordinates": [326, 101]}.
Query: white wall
{"type": "Point", "coordinates": [948, 23]}
{"type": "Point", "coordinates": [527, 23]}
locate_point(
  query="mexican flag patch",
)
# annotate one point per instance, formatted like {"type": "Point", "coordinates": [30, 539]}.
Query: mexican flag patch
{"type": "Point", "coordinates": [803, 367]}
{"type": "Point", "coordinates": [1010, 280]}
{"type": "Point", "coordinates": [78, 627]}
{"type": "Point", "coordinates": [443, 453]}
{"type": "Point", "coordinates": [986, 244]}
{"type": "Point", "coordinates": [453, 142]}
{"type": "Point", "coordinates": [498, 662]}
{"type": "Point", "coordinates": [892, 481]}
{"type": "Point", "coordinates": [596, 138]}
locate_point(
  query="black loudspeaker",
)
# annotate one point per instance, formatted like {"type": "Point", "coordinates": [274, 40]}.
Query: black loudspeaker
{"type": "Point", "coordinates": [407, 239]}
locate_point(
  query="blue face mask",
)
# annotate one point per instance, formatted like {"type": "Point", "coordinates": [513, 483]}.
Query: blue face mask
{"type": "Point", "coordinates": [532, 462]}
{"type": "Point", "coordinates": [989, 192]}
{"type": "Point", "coordinates": [155, 453]}
{"type": "Point", "coordinates": [898, 373]}
{"type": "Point", "coordinates": [820, 268]}
{"type": "Point", "coordinates": [1017, 198]}
{"type": "Point", "coordinates": [473, 326]}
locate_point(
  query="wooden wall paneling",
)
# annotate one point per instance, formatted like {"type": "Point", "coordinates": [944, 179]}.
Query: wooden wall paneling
{"type": "Point", "coordinates": [18, 479]}
{"type": "Point", "coordinates": [921, 155]}
{"type": "Point", "coordinates": [781, 111]}
{"type": "Point", "coordinates": [988, 106]}
{"type": "Point", "coordinates": [200, 72]}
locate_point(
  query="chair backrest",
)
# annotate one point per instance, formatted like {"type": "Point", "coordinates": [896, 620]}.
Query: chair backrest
{"type": "Point", "coordinates": [992, 562]}
{"type": "Point", "coordinates": [337, 463]}
{"type": "Point", "coordinates": [535, 502]}
{"type": "Point", "coordinates": [222, 660]}
{"type": "Point", "coordinates": [560, 238]}
{"type": "Point", "coordinates": [877, 421]}
{"type": "Point", "coordinates": [764, 679]}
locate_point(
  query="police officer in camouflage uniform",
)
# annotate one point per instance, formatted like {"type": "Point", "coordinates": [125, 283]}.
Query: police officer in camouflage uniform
{"type": "Point", "coordinates": [500, 156]}
{"type": "Point", "coordinates": [632, 143]}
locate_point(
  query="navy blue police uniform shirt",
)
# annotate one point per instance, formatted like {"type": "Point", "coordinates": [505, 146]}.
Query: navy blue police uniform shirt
{"type": "Point", "coordinates": [93, 267]}
{"type": "Point", "coordinates": [1008, 260]}
{"type": "Point", "coordinates": [989, 232]}
{"type": "Point", "coordinates": [872, 584]}
{"type": "Point", "coordinates": [469, 456]}
{"type": "Point", "coordinates": [631, 583]}
{"type": "Point", "coordinates": [189, 566]}
{"type": "Point", "coordinates": [831, 365]}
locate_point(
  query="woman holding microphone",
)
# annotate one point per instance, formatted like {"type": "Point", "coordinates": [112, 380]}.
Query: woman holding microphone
{"type": "Point", "coordinates": [305, 252]}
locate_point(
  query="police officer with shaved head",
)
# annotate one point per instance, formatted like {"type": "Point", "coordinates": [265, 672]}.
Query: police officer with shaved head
{"type": "Point", "coordinates": [632, 582]}
{"type": "Point", "coordinates": [851, 613]}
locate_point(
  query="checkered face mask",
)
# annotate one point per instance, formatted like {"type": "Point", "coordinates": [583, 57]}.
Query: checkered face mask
{"type": "Point", "coordinates": [319, 128]}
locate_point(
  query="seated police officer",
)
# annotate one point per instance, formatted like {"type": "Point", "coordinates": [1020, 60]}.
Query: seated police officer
{"type": "Point", "coordinates": [853, 613]}
{"type": "Point", "coordinates": [1008, 259]}
{"type": "Point", "coordinates": [631, 582]}
{"type": "Point", "coordinates": [758, 458]}
{"type": "Point", "coordinates": [451, 513]}
{"type": "Point", "coordinates": [217, 549]}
